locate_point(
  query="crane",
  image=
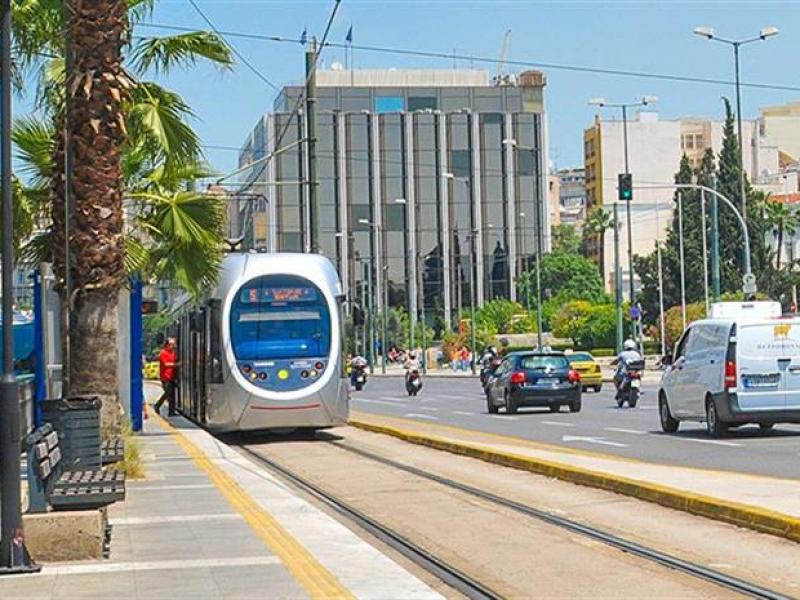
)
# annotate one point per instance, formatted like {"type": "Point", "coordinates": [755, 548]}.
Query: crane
{"type": "Point", "coordinates": [502, 77]}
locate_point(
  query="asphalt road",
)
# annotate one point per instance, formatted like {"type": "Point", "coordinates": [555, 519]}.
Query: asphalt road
{"type": "Point", "coordinates": [600, 426]}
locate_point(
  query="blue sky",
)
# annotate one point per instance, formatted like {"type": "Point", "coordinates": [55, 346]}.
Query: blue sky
{"type": "Point", "coordinates": [633, 35]}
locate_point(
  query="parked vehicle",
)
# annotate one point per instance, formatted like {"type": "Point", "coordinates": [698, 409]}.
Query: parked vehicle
{"type": "Point", "coordinates": [413, 382]}
{"type": "Point", "coordinates": [740, 366]}
{"type": "Point", "coordinates": [589, 369]}
{"type": "Point", "coordinates": [536, 378]}
{"type": "Point", "coordinates": [630, 384]}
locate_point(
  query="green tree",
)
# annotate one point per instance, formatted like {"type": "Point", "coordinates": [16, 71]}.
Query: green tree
{"type": "Point", "coordinates": [588, 325]}
{"type": "Point", "coordinates": [597, 222]}
{"type": "Point", "coordinates": [783, 222]}
{"type": "Point", "coordinates": [503, 316]}
{"type": "Point", "coordinates": [566, 238]}
{"type": "Point", "coordinates": [565, 276]}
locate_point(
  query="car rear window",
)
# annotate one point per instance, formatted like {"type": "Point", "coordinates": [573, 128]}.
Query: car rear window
{"type": "Point", "coordinates": [541, 363]}
{"type": "Point", "coordinates": [580, 357]}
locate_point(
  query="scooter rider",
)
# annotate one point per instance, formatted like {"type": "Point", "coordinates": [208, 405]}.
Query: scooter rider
{"type": "Point", "coordinates": [411, 363]}
{"type": "Point", "coordinates": [358, 363]}
{"type": "Point", "coordinates": [629, 354]}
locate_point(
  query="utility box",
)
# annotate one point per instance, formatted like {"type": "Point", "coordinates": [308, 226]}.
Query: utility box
{"type": "Point", "coordinates": [77, 421]}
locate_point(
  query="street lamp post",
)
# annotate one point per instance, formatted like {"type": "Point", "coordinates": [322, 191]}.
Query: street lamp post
{"type": "Point", "coordinates": [645, 101]}
{"type": "Point", "coordinates": [765, 33]}
{"type": "Point", "coordinates": [377, 229]}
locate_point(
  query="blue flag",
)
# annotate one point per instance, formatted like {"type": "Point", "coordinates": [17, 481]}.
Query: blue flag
{"type": "Point", "coordinates": [349, 37]}
{"type": "Point", "coordinates": [304, 37]}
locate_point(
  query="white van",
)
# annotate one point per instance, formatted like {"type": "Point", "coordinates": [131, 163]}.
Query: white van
{"type": "Point", "coordinates": [741, 367]}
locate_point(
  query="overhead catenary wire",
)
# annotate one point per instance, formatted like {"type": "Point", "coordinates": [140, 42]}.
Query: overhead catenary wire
{"type": "Point", "coordinates": [239, 55]}
{"type": "Point", "coordinates": [619, 72]}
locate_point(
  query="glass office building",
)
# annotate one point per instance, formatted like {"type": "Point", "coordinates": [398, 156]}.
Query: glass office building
{"type": "Point", "coordinates": [428, 184]}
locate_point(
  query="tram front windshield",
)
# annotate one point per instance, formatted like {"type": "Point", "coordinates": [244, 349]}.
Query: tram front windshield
{"type": "Point", "coordinates": [280, 317]}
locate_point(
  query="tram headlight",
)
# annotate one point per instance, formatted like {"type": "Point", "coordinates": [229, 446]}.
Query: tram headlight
{"type": "Point", "coordinates": [246, 369]}
{"type": "Point", "coordinates": [304, 374]}
{"type": "Point", "coordinates": [313, 373]}
{"type": "Point", "coordinates": [262, 375]}
{"type": "Point", "coordinates": [319, 366]}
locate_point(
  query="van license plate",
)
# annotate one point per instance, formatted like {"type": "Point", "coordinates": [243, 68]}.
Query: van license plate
{"type": "Point", "coordinates": [761, 380]}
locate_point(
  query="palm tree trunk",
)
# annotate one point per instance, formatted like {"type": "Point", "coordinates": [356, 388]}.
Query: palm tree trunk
{"type": "Point", "coordinates": [96, 86]}
{"type": "Point", "coordinates": [780, 247]}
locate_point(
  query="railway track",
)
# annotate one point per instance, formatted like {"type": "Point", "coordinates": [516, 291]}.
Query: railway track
{"type": "Point", "coordinates": [461, 581]}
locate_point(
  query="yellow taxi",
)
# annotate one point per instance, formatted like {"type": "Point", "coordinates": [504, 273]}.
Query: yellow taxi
{"type": "Point", "coordinates": [588, 368]}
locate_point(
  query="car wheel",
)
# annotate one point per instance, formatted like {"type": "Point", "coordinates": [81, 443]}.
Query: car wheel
{"type": "Point", "coordinates": [555, 407]}
{"type": "Point", "coordinates": [575, 406]}
{"type": "Point", "coordinates": [766, 426]}
{"type": "Point", "coordinates": [597, 389]}
{"type": "Point", "coordinates": [511, 406]}
{"type": "Point", "coordinates": [714, 426]}
{"type": "Point", "coordinates": [491, 408]}
{"type": "Point", "coordinates": [669, 424]}
{"type": "Point", "coordinates": [359, 387]}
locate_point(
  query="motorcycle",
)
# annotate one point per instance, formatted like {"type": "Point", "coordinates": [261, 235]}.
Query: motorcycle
{"type": "Point", "coordinates": [488, 368]}
{"type": "Point", "coordinates": [359, 377]}
{"type": "Point", "coordinates": [413, 382]}
{"type": "Point", "coordinates": [630, 385]}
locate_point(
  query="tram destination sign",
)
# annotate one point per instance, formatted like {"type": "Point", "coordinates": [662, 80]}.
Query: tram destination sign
{"type": "Point", "coordinates": [278, 294]}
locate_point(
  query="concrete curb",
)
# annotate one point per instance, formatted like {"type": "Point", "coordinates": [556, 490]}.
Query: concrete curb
{"type": "Point", "coordinates": [743, 515]}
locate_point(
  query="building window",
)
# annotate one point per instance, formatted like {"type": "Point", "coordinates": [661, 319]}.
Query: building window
{"type": "Point", "coordinates": [422, 103]}
{"type": "Point", "coordinates": [395, 217]}
{"type": "Point", "coordinates": [389, 104]}
{"type": "Point", "coordinates": [460, 163]}
{"type": "Point", "coordinates": [526, 165]}
{"type": "Point", "coordinates": [359, 213]}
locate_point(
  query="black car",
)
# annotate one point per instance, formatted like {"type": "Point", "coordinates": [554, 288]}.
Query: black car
{"type": "Point", "coordinates": [534, 379]}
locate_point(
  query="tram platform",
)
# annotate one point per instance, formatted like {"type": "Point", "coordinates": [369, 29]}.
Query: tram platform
{"type": "Point", "coordinates": [205, 523]}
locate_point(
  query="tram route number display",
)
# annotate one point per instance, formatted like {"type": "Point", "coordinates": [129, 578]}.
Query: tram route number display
{"type": "Point", "coordinates": [279, 294]}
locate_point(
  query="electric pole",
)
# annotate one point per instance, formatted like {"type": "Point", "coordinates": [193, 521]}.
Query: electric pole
{"type": "Point", "coordinates": [311, 143]}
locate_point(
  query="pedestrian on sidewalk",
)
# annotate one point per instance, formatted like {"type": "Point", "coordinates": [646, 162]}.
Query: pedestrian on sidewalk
{"type": "Point", "coordinates": [167, 361]}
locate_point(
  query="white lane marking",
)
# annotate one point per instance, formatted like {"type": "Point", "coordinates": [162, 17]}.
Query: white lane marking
{"type": "Point", "coordinates": [393, 400]}
{"type": "Point", "coordinates": [508, 417]}
{"type": "Point", "coordinates": [371, 401]}
{"type": "Point", "coordinates": [592, 440]}
{"type": "Point", "coordinates": [623, 430]}
{"type": "Point", "coordinates": [450, 397]}
{"type": "Point", "coordinates": [557, 423]}
{"type": "Point", "coordinates": [429, 408]}
{"type": "Point", "coordinates": [199, 563]}
{"type": "Point", "coordinates": [419, 416]}
{"type": "Point", "coordinates": [130, 521]}
{"type": "Point", "coordinates": [463, 412]}
{"type": "Point", "coordinates": [702, 441]}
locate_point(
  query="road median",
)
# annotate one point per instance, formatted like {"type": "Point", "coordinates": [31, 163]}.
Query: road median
{"type": "Point", "coordinates": [581, 468]}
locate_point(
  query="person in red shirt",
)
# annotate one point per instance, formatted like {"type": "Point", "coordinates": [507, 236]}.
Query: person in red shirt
{"type": "Point", "coordinates": [167, 361]}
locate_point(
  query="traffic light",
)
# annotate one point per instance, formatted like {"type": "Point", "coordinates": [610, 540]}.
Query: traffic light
{"type": "Point", "coordinates": [625, 184]}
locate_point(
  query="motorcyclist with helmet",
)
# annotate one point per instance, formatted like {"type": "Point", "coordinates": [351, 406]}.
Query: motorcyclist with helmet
{"type": "Point", "coordinates": [629, 354]}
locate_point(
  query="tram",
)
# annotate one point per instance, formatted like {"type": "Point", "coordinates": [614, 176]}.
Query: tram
{"type": "Point", "coordinates": [263, 349]}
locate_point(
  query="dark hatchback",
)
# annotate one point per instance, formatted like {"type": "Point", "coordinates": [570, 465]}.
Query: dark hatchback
{"type": "Point", "coordinates": [534, 379]}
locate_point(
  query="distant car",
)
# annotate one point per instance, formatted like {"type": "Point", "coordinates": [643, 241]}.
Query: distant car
{"type": "Point", "coordinates": [589, 369]}
{"type": "Point", "coordinates": [534, 379]}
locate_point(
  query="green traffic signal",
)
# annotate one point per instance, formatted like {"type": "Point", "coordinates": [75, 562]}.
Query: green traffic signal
{"type": "Point", "coordinates": [625, 186]}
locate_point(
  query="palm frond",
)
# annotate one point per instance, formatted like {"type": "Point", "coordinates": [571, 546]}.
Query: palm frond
{"type": "Point", "coordinates": [37, 248]}
{"type": "Point", "coordinates": [34, 143]}
{"type": "Point", "coordinates": [156, 117]}
{"type": "Point", "coordinates": [162, 54]}
{"type": "Point", "coordinates": [137, 255]}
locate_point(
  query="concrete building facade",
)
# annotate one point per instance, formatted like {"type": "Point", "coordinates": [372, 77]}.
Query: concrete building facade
{"type": "Point", "coordinates": [655, 149]}
{"type": "Point", "coordinates": [419, 185]}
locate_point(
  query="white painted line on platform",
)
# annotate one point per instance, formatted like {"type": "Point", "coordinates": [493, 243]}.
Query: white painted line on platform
{"type": "Point", "coordinates": [419, 416]}
{"type": "Point", "coordinates": [157, 488]}
{"type": "Point", "coordinates": [592, 440]}
{"type": "Point", "coordinates": [557, 423]}
{"type": "Point", "coordinates": [623, 430]}
{"type": "Point", "coordinates": [129, 521]}
{"type": "Point", "coordinates": [200, 563]}
{"type": "Point", "coordinates": [463, 412]}
{"type": "Point", "coordinates": [702, 441]}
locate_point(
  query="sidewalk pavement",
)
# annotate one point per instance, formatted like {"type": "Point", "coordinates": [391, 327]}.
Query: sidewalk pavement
{"type": "Point", "coordinates": [207, 523]}
{"type": "Point", "coordinates": [767, 504]}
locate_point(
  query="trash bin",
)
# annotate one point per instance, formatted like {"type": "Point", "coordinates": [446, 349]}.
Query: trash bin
{"type": "Point", "coordinates": [77, 421]}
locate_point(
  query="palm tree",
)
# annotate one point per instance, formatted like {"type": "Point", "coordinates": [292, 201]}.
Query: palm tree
{"type": "Point", "coordinates": [597, 222]}
{"type": "Point", "coordinates": [783, 221]}
{"type": "Point", "coordinates": [123, 130]}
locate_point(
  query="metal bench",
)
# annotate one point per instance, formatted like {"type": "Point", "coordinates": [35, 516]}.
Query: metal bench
{"type": "Point", "coordinates": [50, 485]}
{"type": "Point", "coordinates": [112, 451]}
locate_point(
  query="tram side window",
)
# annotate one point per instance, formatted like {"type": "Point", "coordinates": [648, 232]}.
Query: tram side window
{"type": "Point", "coordinates": [215, 341]}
